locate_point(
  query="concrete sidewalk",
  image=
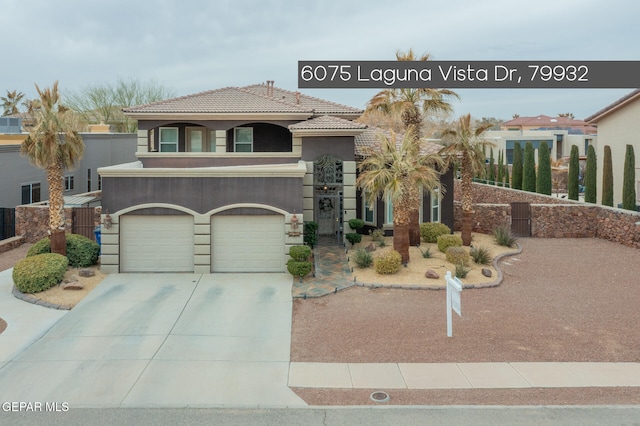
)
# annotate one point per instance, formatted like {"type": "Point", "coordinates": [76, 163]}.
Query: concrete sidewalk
{"type": "Point", "coordinates": [493, 375]}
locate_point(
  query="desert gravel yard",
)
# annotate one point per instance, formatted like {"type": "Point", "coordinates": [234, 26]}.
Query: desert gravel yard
{"type": "Point", "coordinates": [561, 300]}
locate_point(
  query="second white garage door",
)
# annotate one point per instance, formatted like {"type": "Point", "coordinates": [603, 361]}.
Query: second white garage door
{"type": "Point", "coordinates": [162, 243]}
{"type": "Point", "coordinates": [247, 243]}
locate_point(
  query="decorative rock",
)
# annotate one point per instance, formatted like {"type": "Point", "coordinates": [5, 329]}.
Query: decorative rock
{"type": "Point", "coordinates": [75, 285]}
{"type": "Point", "coordinates": [431, 274]}
{"type": "Point", "coordinates": [486, 272]}
{"type": "Point", "coordinates": [87, 272]}
{"type": "Point", "coordinates": [371, 247]}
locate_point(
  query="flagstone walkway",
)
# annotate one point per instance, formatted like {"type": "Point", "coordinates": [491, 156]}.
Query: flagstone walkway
{"type": "Point", "coordinates": [332, 273]}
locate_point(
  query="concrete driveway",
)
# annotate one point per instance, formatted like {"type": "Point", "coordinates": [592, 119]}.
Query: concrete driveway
{"type": "Point", "coordinates": [164, 339]}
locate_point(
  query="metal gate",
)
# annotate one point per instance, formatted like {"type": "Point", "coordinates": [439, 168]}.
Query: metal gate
{"type": "Point", "coordinates": [521, 219]}
{"type": "Point", "coordinates": [7, 222]}
{"type": "Point", "coordinates": [84, 221]}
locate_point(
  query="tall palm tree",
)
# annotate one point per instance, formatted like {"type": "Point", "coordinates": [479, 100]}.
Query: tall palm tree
{"type": "Point", "coordinates": [466, 145]}
{"type": "Point", "coordinates": [53, 146]}
{"type": "Point", "coordinates": [11, 101]}
{"type": "Point", "coordinates": [410, 107]}
{"type": "Point", "coordinates": [398, 171]}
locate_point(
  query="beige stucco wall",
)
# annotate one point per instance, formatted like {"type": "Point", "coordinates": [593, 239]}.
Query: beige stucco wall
{"type": "Point", "coordinates": [618, 129]}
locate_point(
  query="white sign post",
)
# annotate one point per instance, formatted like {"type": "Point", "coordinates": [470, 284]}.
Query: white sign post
{"type": "Point", "coordinates": [454, 288]}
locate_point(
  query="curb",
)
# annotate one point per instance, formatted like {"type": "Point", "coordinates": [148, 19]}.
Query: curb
{"type": "Point", "coordinates": [30, 299]}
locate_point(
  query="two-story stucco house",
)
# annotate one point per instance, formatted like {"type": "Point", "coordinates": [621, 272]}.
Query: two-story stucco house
{"type": "Point", "coordinates": [223, 177]}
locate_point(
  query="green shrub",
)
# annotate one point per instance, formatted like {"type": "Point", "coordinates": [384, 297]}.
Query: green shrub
{"type": "Point", "coordinates": [377, 235]}
{"type": "Point", "coordinates": [299, 269]}
{"type": "Point", "coordinates": [39, 272]}
{"type": "Point", "coordinates": [388, 263]}
{"type": "Point", "coordinates": [356, 224]}
{"type": "Point", "coordinates": [462, 271]}
{"type": "Point", "coordinates": [353, 237]}
{"type": "Point", "coordinates": [629, 179]}
{"type": "Point", "coordinates": [607, 178]}
{"type": "Point", "coordinates": [310, 233]}
{"type": "Point", "coordinates": [543, 177]}
{"type": "Point", "coordinates": [430, 231]}
{"type": "Point", "coordinates": [362, 258]}
{"type": "Point", "coordinates": [529, 168]}
{"type": "Point", "coordinates": [81, 251]}
{"type": "Point", "coordinates": [573, 180]}
{"type": "Point", "coordinates": [480, 255]}
{"type": "Point", "coordinates": [503, 236]}
{"type": "Point", "coordinates": [300, 253]}
{"type": "Point", "coordinates": [446, 241]}
{"type": "Point", "coordinates": [590, 177]}
{"type": "Point", "coordinates": [457, 255]}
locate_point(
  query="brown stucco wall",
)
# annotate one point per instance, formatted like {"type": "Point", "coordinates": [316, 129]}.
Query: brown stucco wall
{"type": "Point", "coordinates": [202, 194]}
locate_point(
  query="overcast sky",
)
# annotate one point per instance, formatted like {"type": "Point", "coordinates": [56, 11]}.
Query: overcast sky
{"type": "Point", "coordinates": [191, 46]}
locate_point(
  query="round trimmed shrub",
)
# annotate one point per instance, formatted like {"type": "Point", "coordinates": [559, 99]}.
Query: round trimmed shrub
{"type": "Point", "coordinates": [458, 255]}
{"type": "Point", "coordinates": [299, 269]}
{"type": "Point", "coordinates": [356, 224]}
{"type": "Point", "coordinates": [446, 241]}
{"type": "Point", "coordinates": [430, 231]}
{"type": "Point", "coordinates": [353, 237]}
{"type": "Point", "coordinates": [39, 272]}
{"type": "Point", "coordinates": [81, 251]}
{"type": "Point", "coordinates": [388, 263]}
{"type": "Point", "coordinates": [300, 253]}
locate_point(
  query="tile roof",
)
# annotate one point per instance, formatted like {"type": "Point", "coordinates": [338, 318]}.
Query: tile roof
{"type": "Point", "coordinates": [370, 139]}
{"type": "Point", "coordinates": [249, 99]}
{"type": "Point", "coordinates": [318, 106]}
{"type": "Point", "coordinates": [614, 106]}
{"type": "Point", "coordinates": [327, 122]}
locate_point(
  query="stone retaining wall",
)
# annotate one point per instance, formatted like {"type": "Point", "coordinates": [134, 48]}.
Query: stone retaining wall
{"type": "Point", "coordinates": [11, 243]}
{"type": "Point", "coordinates": [32, 221]}
{"type": "Point", "coordinates": [554, 218]}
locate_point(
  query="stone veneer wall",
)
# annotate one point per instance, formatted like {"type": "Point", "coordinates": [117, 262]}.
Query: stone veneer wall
{"type": "Point", "coordinates": [32, 221]}
{"type": "Point", "coordinates": [552, 217]}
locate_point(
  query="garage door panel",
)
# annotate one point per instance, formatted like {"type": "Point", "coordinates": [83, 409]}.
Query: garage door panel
{"type": "Point", "coordinates": [161, 243]}
{"type": "Point", "coordinates": [247, 243]}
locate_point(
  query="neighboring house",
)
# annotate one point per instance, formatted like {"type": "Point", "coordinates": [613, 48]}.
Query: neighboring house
{"type": "Point", "coordinates": [22, 183]}
{"type": "Point", "coordinates": [544, 122]}
{"type": "Point", "coordinates": [618, 127]}
{"type": "Point", "coordinates": [225, 179]}
{"type": "Point", "coordinates": [558, 141]}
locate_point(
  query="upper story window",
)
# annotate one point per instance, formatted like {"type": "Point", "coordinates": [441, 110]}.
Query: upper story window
{"type": "Point", "coordinates": [243, 139]}
{"type": "Point", "coordinates": [68, 183]}
{"type": "Point", "coordinates": [168, 139]}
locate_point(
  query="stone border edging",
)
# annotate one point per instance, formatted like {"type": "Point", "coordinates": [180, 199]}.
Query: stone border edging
{"type": "Point", "coordinates": [30, 299]}
{"type": "Point", "coordinates": [495, 283]}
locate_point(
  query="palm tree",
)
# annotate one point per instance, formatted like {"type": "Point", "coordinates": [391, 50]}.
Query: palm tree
{"type": "Point", "coordinates": [410, 106]}
{"type": "Point", "coordinates": [466, 145]}
{"type": "Point", "coordinates": [11, 101]}
{"type": "Point", "coordinates": [398, 171]}
{"type": "Point", "coordinates": [53, 146]}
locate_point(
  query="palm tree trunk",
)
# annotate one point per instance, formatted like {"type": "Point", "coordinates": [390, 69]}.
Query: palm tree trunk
{"type": "Point", "coordinates": [401, 240]}
{"type": "Point", "coordinates": [467, 203]}
{"type": "Point", "coordinates": [56, 209]}
{"type": "Point", "coordinates": [414, 227]}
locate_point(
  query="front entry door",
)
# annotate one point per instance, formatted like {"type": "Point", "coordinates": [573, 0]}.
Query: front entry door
{"type": "Point", "coordinates": [329, 214]}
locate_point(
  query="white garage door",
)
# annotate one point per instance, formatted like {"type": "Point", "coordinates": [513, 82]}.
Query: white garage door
{"type": "Point", "coordinates": [156, 243]}
{"type": "Point", "coordinates": [247, 244]}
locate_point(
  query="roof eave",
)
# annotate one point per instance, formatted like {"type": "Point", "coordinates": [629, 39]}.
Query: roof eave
{"type": "Point", "coordinates": [325, 132]}
{"type": "Point", "coordinates": [620, 103]}
{"type": "Point", "coordinates": [218, 115]}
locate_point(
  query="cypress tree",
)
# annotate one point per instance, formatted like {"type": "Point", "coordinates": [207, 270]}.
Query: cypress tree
{"type": "Point", "coordinates": [590, 176]}
{"type": "Point", "coordinates": [516, 171]}
{"type": "Point", "coordinates": [629, 180]}
{"type": "Point", "coordinates": [492, 176]}
{"type": "Point", "coordinates": [607, 178]}
{"type": "Point", "coordinates": [574, 171]}
{"type": "Point", "coordinates": [529, 169]}
{"type": "Point", "coordinates": [543, 181]}
{"type": "Point", "coordinates": [506, 175]}
{"type": "Point", "coordinates": [500, 168]}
